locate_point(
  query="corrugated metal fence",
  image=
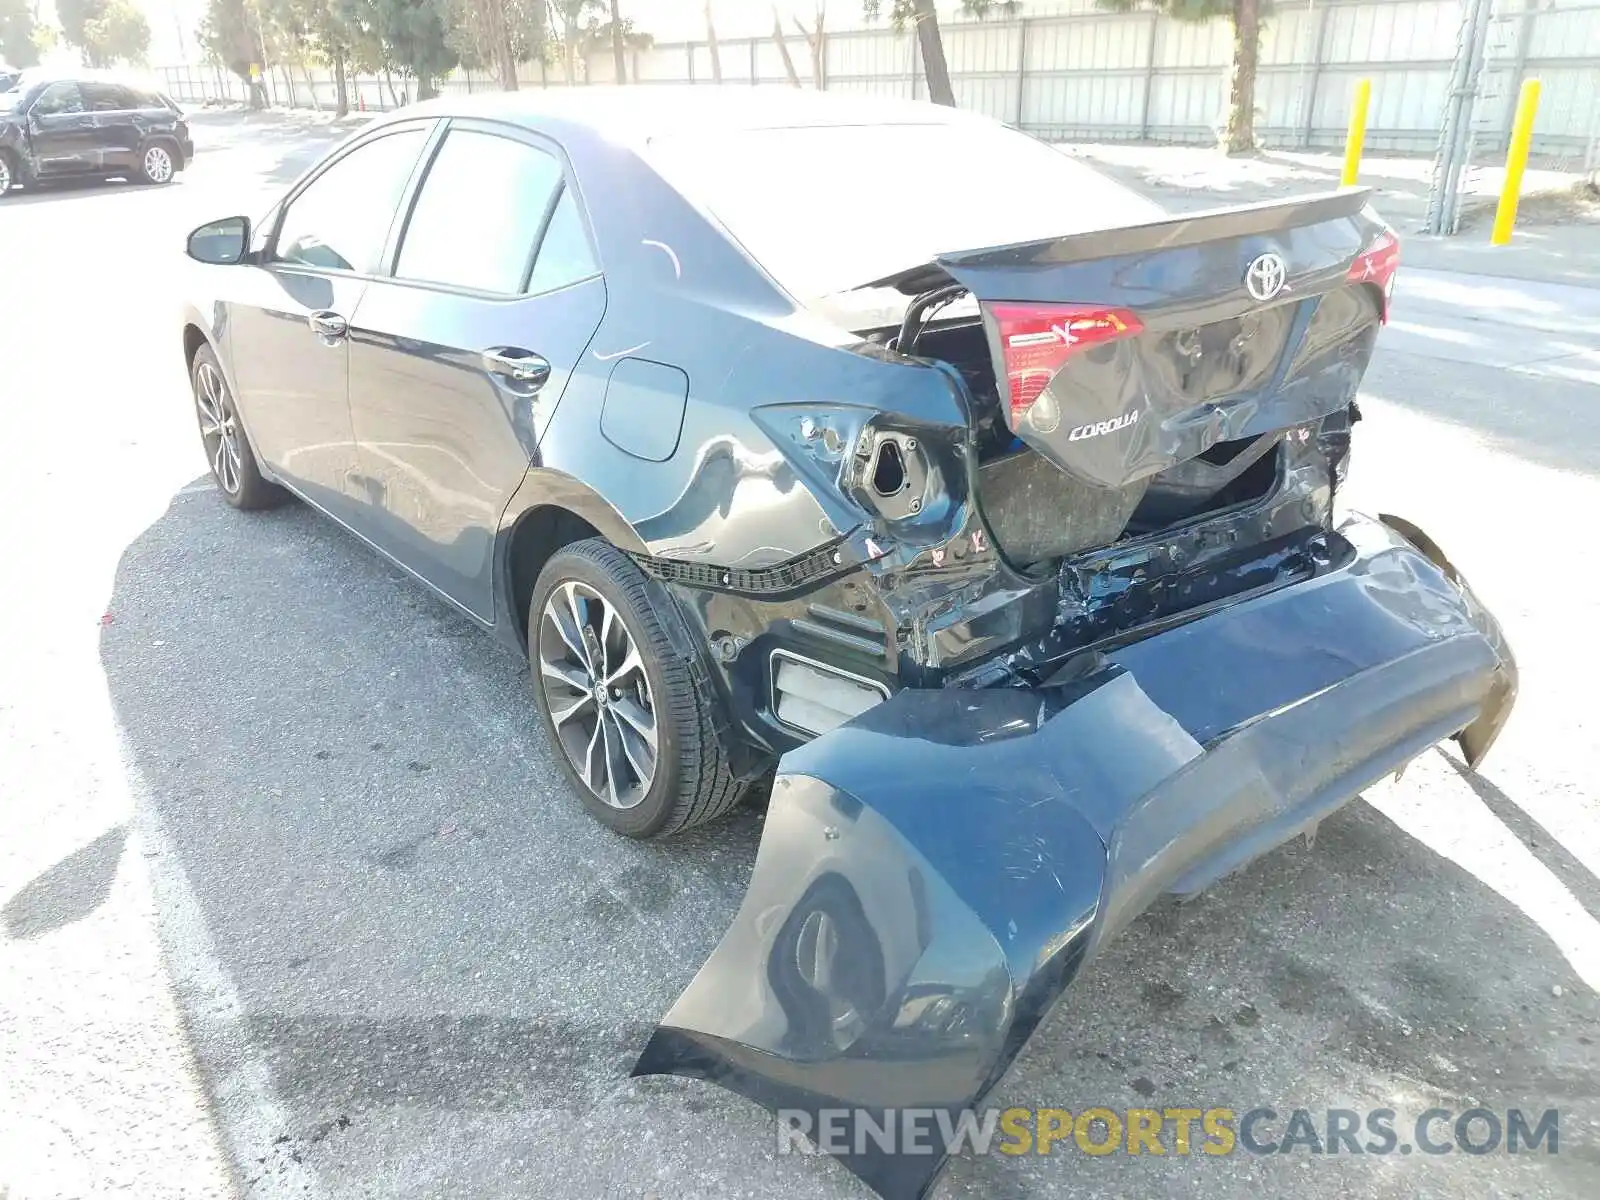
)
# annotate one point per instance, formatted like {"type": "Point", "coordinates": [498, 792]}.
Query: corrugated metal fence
{"type": "Point", "coordinates": [1090, 75]}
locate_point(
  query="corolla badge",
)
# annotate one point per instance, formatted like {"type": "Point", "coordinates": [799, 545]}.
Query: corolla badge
{"type": "Point", "coordinates": [1265, 276]}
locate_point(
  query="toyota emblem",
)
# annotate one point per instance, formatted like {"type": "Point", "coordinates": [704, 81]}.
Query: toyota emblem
{"type": "Point", "coordinates": [1265, 276]}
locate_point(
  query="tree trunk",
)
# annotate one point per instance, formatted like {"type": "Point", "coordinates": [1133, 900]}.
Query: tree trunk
{"type": "Point", "coordinates": [617, 58]}
{"type": "Point", "coordinates": [388, 78]}
{"type": "Point", "coordinates": [711, 44]}
{"type": "Point", "coordinates": [933, 62]}
{"type": "Point", "coordinates": [505, 64]}
{"type": "Point", "coordinates": [311, 87]}
{"type": "Point", "coordinates": [817, 40]}
{"type": "Point", "coordinates": [783, 48]}
{"type": "Point", "coordinates": [426, 90]}
{"type": "Point", "coordinates": [341, 87]}
{"type": "Point", "coordinates": [1240, 135]}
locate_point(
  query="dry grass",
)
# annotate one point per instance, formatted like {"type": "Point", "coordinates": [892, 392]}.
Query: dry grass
{"type": "Point", "coordinates": [1559, 206]}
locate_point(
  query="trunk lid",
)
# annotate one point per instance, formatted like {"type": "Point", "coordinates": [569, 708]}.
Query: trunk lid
{"type": "Point", "coordinates": [1122, 354]}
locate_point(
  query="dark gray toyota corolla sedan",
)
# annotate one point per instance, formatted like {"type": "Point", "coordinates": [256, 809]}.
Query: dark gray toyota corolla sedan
{"type": "Point", "coordinates": [889, 447]}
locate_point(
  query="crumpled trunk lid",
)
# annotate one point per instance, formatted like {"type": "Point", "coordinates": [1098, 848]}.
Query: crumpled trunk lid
{"type": "Point", "coordinates": [1122, 354]}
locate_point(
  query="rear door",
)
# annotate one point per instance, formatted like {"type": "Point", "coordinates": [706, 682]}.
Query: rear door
{"type": "Point", "coordinates": [61, 132]}
{"type": "Point", "coordinates": [111, 110]}
{"type": "Point", "coordinates": [458, 359]}
{"type": "Point", "coordinates": [288, 319]}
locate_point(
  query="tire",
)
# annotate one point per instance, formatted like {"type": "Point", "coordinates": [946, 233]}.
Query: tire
{"type": "Point", "coordinates": [158, 163]}
{"type": "Point", "coordinates": [228, 455]}
{"type": "Point", "coordinates": [599, 743]}
{"type": "Point", "coordinates": [9, 172]}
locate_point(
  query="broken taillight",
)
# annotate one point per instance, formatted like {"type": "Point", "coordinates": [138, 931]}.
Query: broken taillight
{"type": "Point", "coordinates": [1377, 265]}
{"type": "Point", "coordinates": [1035, 339]}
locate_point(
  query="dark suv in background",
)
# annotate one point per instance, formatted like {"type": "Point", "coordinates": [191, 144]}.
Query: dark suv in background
{"type": "Point", "coordinates": [75, 128]}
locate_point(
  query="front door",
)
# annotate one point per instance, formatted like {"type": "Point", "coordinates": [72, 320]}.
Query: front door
{"type": "Point", "coordinates": [289, 317]}
{"type": "Point", "coordinates": [61, 133]}
{"type": "Point", "coordinates": [457, 361]}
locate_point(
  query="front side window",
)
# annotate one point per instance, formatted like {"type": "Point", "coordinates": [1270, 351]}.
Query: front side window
{"type": "Point", "coordinates": [478, 213]}
{"type": "Point", "coordinates": [58, 98]}
{"type": "Point", "coordinates": [341, 219]}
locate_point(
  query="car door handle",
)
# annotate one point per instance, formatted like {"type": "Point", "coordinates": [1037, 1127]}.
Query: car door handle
{"type": "Point", "coordinates": [328, 325]}
{"type": "Point", "coordinates": [518, 366]}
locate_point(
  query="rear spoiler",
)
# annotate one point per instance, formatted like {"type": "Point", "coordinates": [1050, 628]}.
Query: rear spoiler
{"type": "Point", "coordinates": [1172, 233]}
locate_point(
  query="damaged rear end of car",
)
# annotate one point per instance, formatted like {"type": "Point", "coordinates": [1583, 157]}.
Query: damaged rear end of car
{"type": "Point", "coordinates": [1132, 647]}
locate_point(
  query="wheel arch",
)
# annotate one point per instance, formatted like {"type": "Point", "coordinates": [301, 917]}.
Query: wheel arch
{"type": "Point", "coordinates": [197, 333]}
{"type": "Point", "coordinates": [193, 338]}
{"type": "Point", "coordinates": [167, 139]}
{"type": "Point", "coordinates": [549, 511]}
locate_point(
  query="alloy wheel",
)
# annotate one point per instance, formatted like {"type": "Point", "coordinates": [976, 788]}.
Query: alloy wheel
{"type": "Point", "coordinates": [5, 175]}
{"type": "Point", "coordinates": [219, 427]}
{"type": "Point", "coordinates": [597, 694]}
{"type": "Point", "coordinates": [157, 165]}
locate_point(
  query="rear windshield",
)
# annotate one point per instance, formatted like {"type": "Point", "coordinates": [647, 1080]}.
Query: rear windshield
{"type": "Point", "coordinates": [827, 208]}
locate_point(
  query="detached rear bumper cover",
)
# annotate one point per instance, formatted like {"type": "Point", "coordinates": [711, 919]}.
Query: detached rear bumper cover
{"type": "Point", "coordinates": [934, 874]}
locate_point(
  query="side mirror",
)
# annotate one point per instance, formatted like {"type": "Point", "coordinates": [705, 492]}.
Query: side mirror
{"type": "Point", "coordinates": [221, 243]}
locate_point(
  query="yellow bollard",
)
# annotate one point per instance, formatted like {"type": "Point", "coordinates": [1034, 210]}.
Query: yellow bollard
{"type": "Point", "coordinates": [1505, 216]}
{"type": "Point", "coordinates": [1357, 135]}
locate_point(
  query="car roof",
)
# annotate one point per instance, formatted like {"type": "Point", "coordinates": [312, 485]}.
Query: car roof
{"type": "Point", "coordinates": [34, 76]}
{"type": "Point", "coordinates": [637, 113]}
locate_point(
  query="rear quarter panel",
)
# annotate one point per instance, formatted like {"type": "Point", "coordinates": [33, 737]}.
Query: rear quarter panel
{"type": "Point", "coordinates": [681, 294]}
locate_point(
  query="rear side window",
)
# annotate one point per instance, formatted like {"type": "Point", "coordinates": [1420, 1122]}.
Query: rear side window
{"type": "Point", "coordinates": [341, 220]}
{"type": "Point", "coordinates": [565, 255]}
{"type": "Point", "coordinates": [478, 213]}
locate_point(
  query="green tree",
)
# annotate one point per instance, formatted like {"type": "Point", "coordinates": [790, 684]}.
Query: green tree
{"type": "Point", "coordinates": [498, 34]}
{"type": "Point", "coordinates": [930, 41]}
{"type": "Point", "coordinates": [19, 34]}
{"type": "Point", "coordinates": [572, 20]}
{"type": "Point", "coordinates": [1239, 133]}
{"type": "Point", "coordinates": [105, 32]}
{"type": "Point", "coordinates": [414, 40]}
{"type": "Point", "coordinates": [614, 36]}
{"type": "Point", "coordinates": [230, 34]}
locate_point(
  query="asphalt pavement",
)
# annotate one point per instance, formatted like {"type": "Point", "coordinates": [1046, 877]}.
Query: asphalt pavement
{"type": "Point", "coordinates": [292, 902]}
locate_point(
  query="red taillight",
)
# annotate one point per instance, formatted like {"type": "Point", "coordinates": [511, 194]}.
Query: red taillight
{"type": "Point", "coordinates": [1377, 265]}
{"type": "Point", "coordinates": [1037, 338]}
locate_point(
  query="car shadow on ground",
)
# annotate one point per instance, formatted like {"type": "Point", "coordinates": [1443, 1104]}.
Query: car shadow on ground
{"type": "Point", "coordinates": [65, 191]}
{"type": "Point", "coordinates": [422, 927]}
